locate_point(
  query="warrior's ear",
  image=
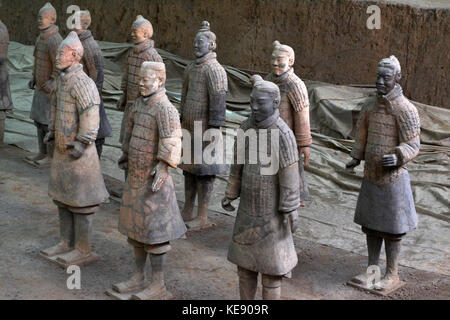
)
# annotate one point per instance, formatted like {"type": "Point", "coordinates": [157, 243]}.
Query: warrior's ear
{"type": "Point", "coordinates": [212, 45]}
{"type": "Point", "coordinates": [398, 76]}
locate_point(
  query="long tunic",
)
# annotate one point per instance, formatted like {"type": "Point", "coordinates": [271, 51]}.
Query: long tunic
{"type": "Point", "coordinates": [5, 93]}
{"type": "Point", "coordinates": [387, 125]}
{"type": "Point", "coordinates": [92, 62]}
{"type": "Point", "coordinates": [137, 55]}
{"type": "Point", "coordinates": [152, 134]}
{"type": "Point", "coordinates": [74, 116]}
{"type": "Point", "coordinates": [44, 70]}
{"type": "Point", "coordinates": [294, 110]}
{"type": "Point", "coordinates": [262, 239]}
{"type": "Point", "coordinates": [204, 101]}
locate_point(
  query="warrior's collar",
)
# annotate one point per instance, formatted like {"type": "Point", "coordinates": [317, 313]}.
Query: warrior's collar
{"type": "Point", "coordinates": [391, 96]}
{"type": "Point", "coordinates": [206, 57]}
{"type": "Point", "coordinates": [281, 78]}
{"type": "Point", "coordinates": [154, 96]}
{"type": "Point", "coordinates": [69, 72]}
{"type": "Point", "coordinates": [267, 123]}
{"type": "Point", "coordinates": [50, 31]}
{"type": "Point", "coordinates": [86, 34]}
{"type": "Point", "coordinates": [144, 45]}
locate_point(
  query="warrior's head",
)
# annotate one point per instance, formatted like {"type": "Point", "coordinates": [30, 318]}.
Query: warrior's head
{"type": "Point", "coordinates": [389, 74]}
{"type": "Point", "coordinates": [46, 16]}
{"type": "Point", "coordinates": [153, 77]}
{"type": "Point", "coordinates": [205, 41]}
{"type": "Point", "coordinates": [264, 99]}
{"type": "Point", "coordinates": [84, 16]}
{"type": "Point", "coordinates": [141, 30]}
{"type": "Point", "coordinates": [70, 52]}
{"type": "Point", "coordinates": [283, 58]}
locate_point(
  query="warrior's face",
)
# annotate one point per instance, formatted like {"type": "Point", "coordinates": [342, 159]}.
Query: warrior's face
{"type": "Point", "coordinates": [280, 61]}
{"type": "Point", "coordinates": [45, 19]}
{"type": "Point", "coordinates": [262, 104]}
{"type": "Point", "coordinates": [138, 35]}
{"type": "Point", "coordinates": [386, 80]}
{"type": "Point", "coordinates": [66, 57]}
{"type": "Point", "coordinates": [150, 82]}
{"type": "Point", "coordinates": [202, 45]}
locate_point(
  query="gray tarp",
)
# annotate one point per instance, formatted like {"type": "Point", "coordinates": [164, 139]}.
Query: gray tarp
{"type": "Point", "coordinates": [328, 218]}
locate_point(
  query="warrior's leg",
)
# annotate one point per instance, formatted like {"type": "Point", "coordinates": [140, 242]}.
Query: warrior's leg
{"type": "Point", "coordinates": [99, 145]}
{"type": "Point", "coordinates": [190, 193]}
{"type": "Point", "coordinates": [83, 235]}
{"type": "Point", "coordinates": [271, 287]}
{"type": "Point", "coordinates": [248, 282]}
{"type": "Point", "coordinates": [41, 131]}
{"type": "Point", "coordinates": [66, 230]}
{"type": "Point", "coordinates": [391, 278]}
{"type": "Point", "coordinates": [157, 288]}
{"type": "Point", "coordinates": [374, 243]}
{"type": "Point", "coordinates": [45, 147]}
{"type": "Point", "coordinates": [2, 126]}
{"type": "Point", "coordinates": [205, 186]}
{"type": "Point", "coordinates": [138, 279]}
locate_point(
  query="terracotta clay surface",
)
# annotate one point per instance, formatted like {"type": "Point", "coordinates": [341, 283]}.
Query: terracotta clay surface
{"type": "Point", "coordinates": [335, 31]}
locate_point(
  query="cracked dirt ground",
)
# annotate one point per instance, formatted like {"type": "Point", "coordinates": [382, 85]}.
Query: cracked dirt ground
{"type": "Point", "coordinates": [197, 266]}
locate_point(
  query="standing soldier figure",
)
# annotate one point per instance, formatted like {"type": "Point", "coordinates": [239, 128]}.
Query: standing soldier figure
{"type": "Point", "coordinates": [203, 102]}
{"type": "Point", "coordinates": [143, 50]}
{"type": "Point", "coordinates": [262, 236]}
{"type": "Point", "coordinates": [93, 66]}
{"type": "Point", "coordinates": [76, 181]}
{"type": "Point", "coordinates": [294, 106]}
{"type": "Point", "coordinates": [149, 215]}
{"type": "Point", "coordinates": [5, 93]}
{"type": "Point", "coordinates": [44, 77]}
{"type": "Point", "coordinates": [387, 138]}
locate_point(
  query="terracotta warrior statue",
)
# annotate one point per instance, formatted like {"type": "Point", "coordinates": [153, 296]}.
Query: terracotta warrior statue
{"type": "Point", "coordinates": [92, 62]}
{"type": "Point", "coordinates": [76, 181]}
{"type": "Point", "coordinates": [262, 237]}
{"type": "Point", "coordinates": [149, 215]}
{"type": "Point", "coordinates": [294, 105]}
{"type": "Point", "coordinates": [387, 138]}
{"type": "Point", "coordinates": [44, 78]}
{"type": "Point", "coordinates": [203, 102]}
{"type": "Point", "coordinates": [143, 50]}
{"type": "Point", "coordinates": [5, 94]}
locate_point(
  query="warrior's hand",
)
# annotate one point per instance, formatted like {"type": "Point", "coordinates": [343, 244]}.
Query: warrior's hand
{"type": "Point", "coordinates": [160, 172]}
{"type": "Point", "coordinates": [352, 164]}
{"type": "Point", "coordinates": [123, 161]}
{"type": "Point", "coordinates": [77, 149]}
{"type": "Point", "coordinates": [121, 103]}
{"type": "Point", "coordinates": [304, 151]}
{"type": "Point", "coordinates": [32, 84]}
{"type": "Point", "coordinates": [49, 136]}
{"type": "Point", "coordinates": [293, 219]}
{"type": "Point", "coordinates": [389, 160]}
{"type": "Point", "coordinates": [226, 204]}
{"type": "Point", "coordinates": [49, 86]}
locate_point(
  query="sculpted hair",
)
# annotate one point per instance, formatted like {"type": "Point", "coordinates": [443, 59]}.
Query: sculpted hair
{"type": "Point", "coordinates": [282, 47]}
{"type": "Point", "coordinates": [141, 22]}
{"type": "Point", "coordinates": [48, 9]}
{"type": "Point", "coordinates": [73, 42]}
{"type": "Point", "coordinates": [159, 67]}
{"type": "Point", "coordinates": [205, 30]}
{"type": "Point", "coordinates": [266, 86]}
{"type": "Point", "coordinates": [391, 63]}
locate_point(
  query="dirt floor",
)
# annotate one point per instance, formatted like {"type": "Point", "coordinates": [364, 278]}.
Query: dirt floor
{"type": "Point", "coordinates": [197, 266]}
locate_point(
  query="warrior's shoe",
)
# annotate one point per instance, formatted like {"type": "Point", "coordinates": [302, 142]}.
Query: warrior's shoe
{"type": "Point", "coordinates": [35, 158]}
{"type": "Point", "coordinates": [73, 256]}
{"type": "Point", "coordinates": [155, 291]}
{"type": "Point", "coordinates": [389, 282]}
{"type": "Point", "coordinates": [138, 282]}
{"type": "Point", "coordinates": [44, 162]}
{"type": "Point", "coordinates": [361, 279]}
{"type": "Point", "coordinates": [60, 248]}
{"type": "Point", "coordinates": [199, 223]}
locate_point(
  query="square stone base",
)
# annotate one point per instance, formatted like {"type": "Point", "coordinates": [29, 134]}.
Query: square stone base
{"type": "Point", "coordinates": [65, 264]}
{"type": "Point", "coordinates": [374, 291]}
